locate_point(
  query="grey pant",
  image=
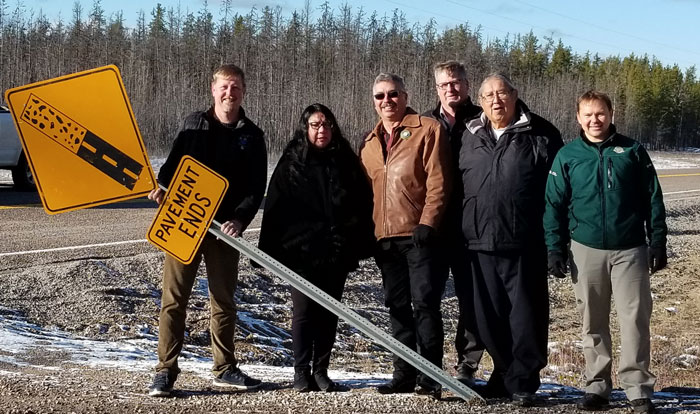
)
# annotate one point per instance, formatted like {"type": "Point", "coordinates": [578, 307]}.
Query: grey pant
{"type": "Point", "coordinates": [596, 275]}
{"type": "Point", "coordinates": [221, 262]}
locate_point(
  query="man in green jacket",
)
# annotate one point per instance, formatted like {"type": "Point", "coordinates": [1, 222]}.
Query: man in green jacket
{"type": "Point", "coordinates": [604, 198]}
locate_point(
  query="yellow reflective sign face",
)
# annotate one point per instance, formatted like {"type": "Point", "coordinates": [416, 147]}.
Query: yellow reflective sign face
{"type": "Point", "coordinates": [81, 140]}
{"type": "Point", "coordinates": [187, 210]}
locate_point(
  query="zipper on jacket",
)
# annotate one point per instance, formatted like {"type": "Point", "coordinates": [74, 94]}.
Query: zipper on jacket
{"type": "Point", "coordinates": [609, 173]}
{"type": "Point", "coordinates": [386, 227]}
{"type": "Point", "coordinates": [601, 180]}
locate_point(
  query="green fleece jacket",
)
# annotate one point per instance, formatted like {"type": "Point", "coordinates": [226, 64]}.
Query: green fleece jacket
{"type": "Point", "coordinates": [604, 196]}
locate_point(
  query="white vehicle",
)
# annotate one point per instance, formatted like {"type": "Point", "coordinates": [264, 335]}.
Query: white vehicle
{"type": "Point", "coordinates": [11, 154]}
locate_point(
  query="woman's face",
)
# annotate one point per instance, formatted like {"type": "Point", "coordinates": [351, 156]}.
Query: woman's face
{"type": "Point", "coordinates": [319, 130]}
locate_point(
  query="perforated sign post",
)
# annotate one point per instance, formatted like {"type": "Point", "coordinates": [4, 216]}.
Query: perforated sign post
{"type": "Point", "coordinates": [81, 140]}
{"type": "Point", "coordinates": [187, 209]}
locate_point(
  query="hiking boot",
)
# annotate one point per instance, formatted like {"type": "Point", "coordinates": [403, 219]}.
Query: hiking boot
{"type": "Point", "coordinates": [398, 386]}
{"type": "Point", "coordinates": [324, 383]}
{"type": "Point", "coordinates": [524, 399]}
{"type": "Point", "coordinates": [592, 402]}
{"type": "Point", "coordinates": [303, 381]}
{"type": "Point", "coordinates": [162, 384]}
{"type": "Point", "coordinates": [642, 406]}
{"type": "Point", "coordinates": [235, 378]}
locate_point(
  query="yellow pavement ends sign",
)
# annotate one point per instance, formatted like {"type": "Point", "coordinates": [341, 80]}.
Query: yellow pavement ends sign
{"type": "Point", "coordinates": [81, 140]}
{"type": "Point", "coordinates": [187, 209]}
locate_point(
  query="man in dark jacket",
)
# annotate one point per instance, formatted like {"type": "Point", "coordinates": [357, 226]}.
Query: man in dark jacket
{"type": "Point", "coordinates": [226, 141]}
{"type": "Point", "coordinates": [505, 157]}
{"type": "Point", "coordinates": [604, 197]}
{"type": "Point", "coordinates": [453, 111]}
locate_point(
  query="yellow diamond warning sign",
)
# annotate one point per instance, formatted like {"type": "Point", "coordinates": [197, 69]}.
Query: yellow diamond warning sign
{"type": "Point", "coordinates": [187, 209]}
{"type": "Point", "coordinates": [81, 140]}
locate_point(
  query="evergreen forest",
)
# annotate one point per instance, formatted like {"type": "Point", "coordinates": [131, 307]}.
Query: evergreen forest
{"type": "Point", "coordinates": [331, 54]}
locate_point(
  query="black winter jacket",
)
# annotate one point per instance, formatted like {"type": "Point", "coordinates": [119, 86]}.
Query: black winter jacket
{"type": "Point", "coordinates": [238, 153]}
{"type": "Point", "coordinates": [318, 210]}
{"type": "Point", "coordinates": [463, 114]}
{"type": "Point", "coordinates": [504, 181]}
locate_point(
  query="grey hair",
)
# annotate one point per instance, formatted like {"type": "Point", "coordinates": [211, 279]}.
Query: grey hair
{"type": "Point", "coordinates": [452, 67]}
{"type": "Point", "coordinates": [500, 76]}
{"type": "Point", "coordinates": [390, 77]}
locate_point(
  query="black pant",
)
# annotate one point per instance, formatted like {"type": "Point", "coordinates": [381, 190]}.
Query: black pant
{"type": "Point", "coordinates": [413, 286]}
{"type": "Point", "coordinates": [467, 343]}
{"type": "Point", "coordinates": [512, 300]}
{"type": "Point", "coordinates": [313, 326]}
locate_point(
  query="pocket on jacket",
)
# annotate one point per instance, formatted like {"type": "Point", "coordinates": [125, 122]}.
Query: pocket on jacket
{"type": "Point", "coordinates": [417, 209]}
{"type": "Point", "coordinates": [469, 209]}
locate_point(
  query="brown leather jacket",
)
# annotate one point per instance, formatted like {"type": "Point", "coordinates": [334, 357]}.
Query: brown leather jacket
{"type": "Point", "coordinates": [412, 183]}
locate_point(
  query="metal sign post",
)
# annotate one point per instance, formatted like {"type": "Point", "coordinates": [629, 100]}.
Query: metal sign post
{"type": "Point", "coordinates": [345, 313]}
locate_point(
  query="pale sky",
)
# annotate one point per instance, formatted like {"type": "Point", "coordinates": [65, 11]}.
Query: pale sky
{"type": "Point", "coordinates": [666, 29]}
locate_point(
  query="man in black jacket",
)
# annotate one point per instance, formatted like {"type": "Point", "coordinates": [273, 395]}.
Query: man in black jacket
{"type": "Point", "coordinates": [226, 141]}
{"type": "Point", "coordinates": [505, 158]}
{"type": "Point", "coordinates": [453, 110]}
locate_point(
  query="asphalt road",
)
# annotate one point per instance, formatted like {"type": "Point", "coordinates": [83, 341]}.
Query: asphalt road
{"type": "Point", "coordinates": [27, 228]}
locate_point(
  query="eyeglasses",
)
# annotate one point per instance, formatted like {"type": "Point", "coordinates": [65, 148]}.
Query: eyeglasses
{"type": "Point", "coordinates": [444, 86]}
{"type": "Point", "coordinates": [318, 125]}
{"type": "Point", "coordinates": [391, 94]}
{"type": "Point", "coordinates": [491, 96]}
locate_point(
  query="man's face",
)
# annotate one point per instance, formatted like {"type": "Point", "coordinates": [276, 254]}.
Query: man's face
{"type": "Point", "coordinates": [228, 93]}
{"type": "Point", "coordinates": [451, 90]}
{"type": "Point", "coordinates": [594, 117]}
{"type": "Point", "coordinates": [498, 102]}
{"type": "Point", "coordinates": [389, 102]}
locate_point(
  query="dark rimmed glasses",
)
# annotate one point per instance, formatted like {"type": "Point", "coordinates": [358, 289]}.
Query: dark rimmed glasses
{"type": "Point", "coordinates": [318, 125]}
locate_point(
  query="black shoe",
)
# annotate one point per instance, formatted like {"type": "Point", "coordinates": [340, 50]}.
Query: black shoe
{"type": "Point", "coordinates": [491, 390]}
{"type": "Point", "coordinates": [235, 378]}
{"type": "Point", "coordinates": [592, 402]}
{"type": "Point", "coordinates": [465, 375]}
{"type": "Point", "coordinates": [162, 385]}
{"type": "Point", "coordinates": [524, 399]}
{"type": "Point", "coordinates": [430, 390]}
{"type": "Point", "coordinates": [303, 381]}
{"type": "Point", "coordinates": [642, 406]}
{"type": "Point", "coordinates": [398, 386]}
{"type": "Point", "coordinates": [323, 382]}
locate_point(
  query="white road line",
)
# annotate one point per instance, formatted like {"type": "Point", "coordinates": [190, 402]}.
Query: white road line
{"type": "Point", "coordinates": [682, 192]}
{"type": "Point", "coordinates": [88, 246]}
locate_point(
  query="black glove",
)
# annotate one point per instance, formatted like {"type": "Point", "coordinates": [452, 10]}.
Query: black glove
{"type": "Point", "coordinates": [657, 258]}
{"type": "Point", "coordinates": [556, 264]}
{"type": "Point", "coordinates": [423, 235]}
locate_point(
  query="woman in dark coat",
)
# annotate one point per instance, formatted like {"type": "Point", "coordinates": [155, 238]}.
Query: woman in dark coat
{"type": "Point", "coordinates": [317, 222]}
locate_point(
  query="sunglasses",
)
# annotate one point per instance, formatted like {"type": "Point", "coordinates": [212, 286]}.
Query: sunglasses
{"type": "Point", "coordinates": [391, 94]}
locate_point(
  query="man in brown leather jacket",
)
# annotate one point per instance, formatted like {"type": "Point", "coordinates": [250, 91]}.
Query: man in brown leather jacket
{"type": "Point", "coordinates": [407, 160]}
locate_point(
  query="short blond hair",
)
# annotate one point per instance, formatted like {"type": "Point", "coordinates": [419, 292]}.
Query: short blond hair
{"type": "Point", "coordinates": [228, 71]}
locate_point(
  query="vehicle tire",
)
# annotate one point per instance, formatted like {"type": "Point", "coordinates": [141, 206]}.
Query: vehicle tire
{"type": "Point", "coordinates": [22, 175]}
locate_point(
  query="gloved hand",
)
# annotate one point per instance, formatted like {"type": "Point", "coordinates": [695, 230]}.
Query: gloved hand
{"type": "Point", "coordinates": [657, 258]}
{"type": "Point", "coordinates": [423, 235]}
{"type": "Point", "coordinates": [556, 264]}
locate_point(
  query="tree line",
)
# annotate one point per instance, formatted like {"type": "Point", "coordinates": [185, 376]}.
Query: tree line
{"type": "Point", "coordinates": [291, 61]}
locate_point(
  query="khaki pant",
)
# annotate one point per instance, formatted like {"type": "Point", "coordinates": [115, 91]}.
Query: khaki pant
{"type": "Point", "coordinates": [596, 274]}
{"type": "Point", "coordinates": [221, 262]}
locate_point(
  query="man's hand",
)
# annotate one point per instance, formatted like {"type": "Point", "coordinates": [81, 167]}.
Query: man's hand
{"type": "Point", "coordinates": [423, 235]}
{"type": "Point", "coordinates": [657, 258]}
{"type": "Point", "coordinates": [233, 228]}
{"type": "Point", "coordinates": [556, 264]}
{"type": "Point", "coordinates": [156, 195]}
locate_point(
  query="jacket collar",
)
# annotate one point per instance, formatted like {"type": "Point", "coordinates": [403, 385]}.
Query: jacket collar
{"type": "Point", "coordinates": [608, 141]}
{"type": "Point", "coordinates": [410, 120]}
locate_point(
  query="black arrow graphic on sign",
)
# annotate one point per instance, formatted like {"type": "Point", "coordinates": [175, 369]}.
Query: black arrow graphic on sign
{"type": "Point", "coordinates": [79, 140]}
